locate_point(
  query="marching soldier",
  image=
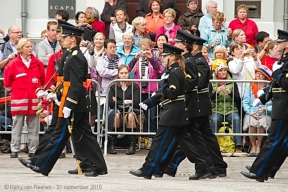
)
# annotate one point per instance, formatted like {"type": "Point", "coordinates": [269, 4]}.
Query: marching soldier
{"type": "Point", "coordinates": [185, 41]}
{"type": "Point", "coordinates": [54, 78]}
{"type": "Point", "coordinates": [201, 118]}
{"type": "Point", "coordinates": [173, 120]}
{"type": "Point", "coordinates": [73, 112]}
{"type": "Point", "coordinates": [274, 151]}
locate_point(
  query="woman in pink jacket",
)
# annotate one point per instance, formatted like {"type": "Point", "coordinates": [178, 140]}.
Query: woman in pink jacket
{"type": "Point", "coordinates": [146, 66]}
{"type": "Point", "coordinates": [169, 28]}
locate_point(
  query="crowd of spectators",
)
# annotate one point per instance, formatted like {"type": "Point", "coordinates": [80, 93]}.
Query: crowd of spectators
{"type": "Point", "coordinates": [236, 51]}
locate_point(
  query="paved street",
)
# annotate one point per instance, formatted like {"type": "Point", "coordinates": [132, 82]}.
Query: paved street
{"type": "Point", "coordinates": [15, 177]}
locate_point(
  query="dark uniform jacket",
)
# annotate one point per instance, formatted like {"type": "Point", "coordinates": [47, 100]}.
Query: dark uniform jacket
{"type": "Point", "coordinates": [171, 93]}
{"type": "Point", "coordinates": [191, 79]}
{"type": "Point", "coordinates": [280, 90]}
{"type": "Point", "coordinates": [204, 75]}
{"type": "Point", "coordinates": [75, 72]}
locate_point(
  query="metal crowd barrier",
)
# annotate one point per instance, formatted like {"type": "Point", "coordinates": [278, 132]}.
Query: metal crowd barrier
{"type": "Point", "coordinates": [107, 132]}
{"type": "Point", "coordinates": [97, 120]}
{"type": "Point", "coordinates": [5, 124]}
{"type": "Point", "coordinates": [243, 83]}
{"type": "Point", "coordinates": [103, 132]}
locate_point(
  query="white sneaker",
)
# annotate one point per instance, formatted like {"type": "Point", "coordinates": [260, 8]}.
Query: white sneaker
{"type": "Point", "coordinates": [149, 143]}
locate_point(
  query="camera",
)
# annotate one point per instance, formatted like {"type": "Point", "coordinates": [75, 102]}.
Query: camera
{"type": "Point", "coordinates": [143, 53]}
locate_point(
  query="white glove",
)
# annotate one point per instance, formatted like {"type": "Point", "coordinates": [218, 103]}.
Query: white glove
{"type": "Point", "coordinates": [277, 66]}
{"type": "Point", "coordinates": [143, 106]}
{"type": "Point", "coordinates": [66, 112]}
{"type": "Point", "coordinates": [256, 102]}
{"type": "Point", "coordinates": [154, 93]}
{"type": "Point", "coordinates": [41, 93]}
{"type": "Point", "coordinates": [57, 102]}
{"type": "Point", "coordinates": [260, 92]}
{"type": "Point", "coordinates": [52, 96]}
{"type": "Point", "coordinates": [164, 76]}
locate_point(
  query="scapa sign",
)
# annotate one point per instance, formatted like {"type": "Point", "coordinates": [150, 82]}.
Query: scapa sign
{"type": "Point", "coordinates": [67, 5]}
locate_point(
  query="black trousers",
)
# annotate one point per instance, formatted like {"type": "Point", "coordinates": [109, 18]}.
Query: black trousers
{"type": "Point", "coordinates": [281, 159]}
{"type": "Point", "coordinates": [83, 139]}
{"type": "Point", "coordinates": [164, 142]}
{"type": "Point", "coordinates": [271, 151]}
{"type": "Point", "coordinates": [206, 143]}
{"type": "Point", "coordinates": [48, 135]}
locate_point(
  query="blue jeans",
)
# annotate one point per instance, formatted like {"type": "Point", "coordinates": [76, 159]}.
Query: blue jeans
{"type": "Point", "coordinates": [216, 119]}
{"type": "Point", "coordinates": [8, 121]}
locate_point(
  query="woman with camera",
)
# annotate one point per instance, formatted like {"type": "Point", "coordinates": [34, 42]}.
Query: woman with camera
{"type": "Point", "coordinates": [124, 99]}
{"type": "Point", "coordinates": [81, 22]}
{"type": "Point", "coordinates": [146, 66]}
{"type": "Point", "coordinates": [243, 65]}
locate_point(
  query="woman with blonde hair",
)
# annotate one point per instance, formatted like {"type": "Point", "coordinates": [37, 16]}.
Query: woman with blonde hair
{"type": "Point", "coordinates": [169, 28]}
{"type": "Point", "coordinates": [139, 28]}
{"type": "Point", "coordinates": [123, 100]}
{"type": "Point", "coordinates": [23, 75]}
{"type": "Point", "coordinates": [215, 35]}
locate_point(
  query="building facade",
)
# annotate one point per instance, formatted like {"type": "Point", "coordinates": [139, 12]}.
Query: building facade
{"type": "Point", "coordinates": [271, 13]}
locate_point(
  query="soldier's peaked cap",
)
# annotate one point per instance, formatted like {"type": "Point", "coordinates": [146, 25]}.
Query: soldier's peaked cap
{"type": "Point", "coordinates": [169, 49]}
{"type": "Point", "coordinates": [71, 30]}
{"type": "Point", "coordinates": [282, 35]}
{"type": "Point", "coordinates": [183, 36]}
{"type": "Point", "coordinates": [60, 23]}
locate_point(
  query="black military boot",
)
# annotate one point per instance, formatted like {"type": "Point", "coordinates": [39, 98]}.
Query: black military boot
{"type": "Point", "coordinates": [131, 149]}
{"type": "Point", "coordinates": [111, 144]}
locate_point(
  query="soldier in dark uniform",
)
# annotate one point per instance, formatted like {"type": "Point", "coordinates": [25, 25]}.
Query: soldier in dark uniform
{"type": "Point", "coordinates": [185, 41]}
{"type": "Point", "coordinates": [213, 156]}
{"type": "Point", "coordinates": [57, 67]}
{"type": "Point", "coordinates": [74, 110]}
{"type": "Point", "coordinates": [173, 118]}
{"type": "Point", "coordinates": [274, 151]}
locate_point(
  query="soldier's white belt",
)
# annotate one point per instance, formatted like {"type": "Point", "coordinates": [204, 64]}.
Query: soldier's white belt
{"type": "Point", "coordinates": [205, 90]}
{"type": "Point", "coordinates": [167, 101]}
{"type": "Point", "coordinates": [278, 90]}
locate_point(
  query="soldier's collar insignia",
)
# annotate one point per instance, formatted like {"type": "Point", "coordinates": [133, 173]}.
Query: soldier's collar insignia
{"type": "Point", "coordinates": [75, 52]}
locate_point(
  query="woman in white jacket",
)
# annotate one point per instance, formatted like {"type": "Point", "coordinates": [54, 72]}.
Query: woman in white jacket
{"type": "Point", "coordinates": [243, 65]}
